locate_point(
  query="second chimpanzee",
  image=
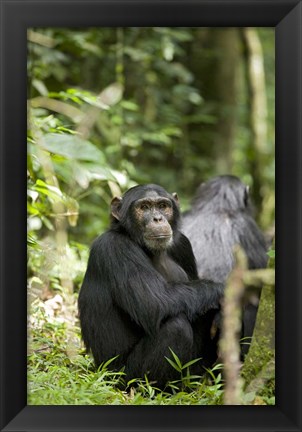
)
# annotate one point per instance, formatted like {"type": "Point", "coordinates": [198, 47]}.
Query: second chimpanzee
{"type": "Point", "coordinates": [219, 219]}
{"type": "Point", "coordinates": [141, 294]}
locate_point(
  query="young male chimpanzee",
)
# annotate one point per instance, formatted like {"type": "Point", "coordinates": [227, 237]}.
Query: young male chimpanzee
{"type": "Point", "coordinates": [219, 219]}
{"type": "Point", "coordinates": [141, 294]}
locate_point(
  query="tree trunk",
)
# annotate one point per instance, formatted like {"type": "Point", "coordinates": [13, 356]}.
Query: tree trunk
{"type": "Point", "coordinates": [257, 121]}
{"type": "Point", "coordinates": [259, 365]}
{"type": "Point", "coordinates": [214, 61]}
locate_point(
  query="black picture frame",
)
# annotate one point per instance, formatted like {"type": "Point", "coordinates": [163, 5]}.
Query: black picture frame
{"type": "Point", "coordinates": [16, 17]}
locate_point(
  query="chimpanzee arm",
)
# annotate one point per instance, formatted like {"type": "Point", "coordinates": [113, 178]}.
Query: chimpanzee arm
{"type": "Point", "coordinates": [252, 241]}
{"type": "Point", "coordinates": [141, 291]}
{"type": "Point", "coordinates": [182, 253]}
{"type": "Point", "coordinates": [197, 297]}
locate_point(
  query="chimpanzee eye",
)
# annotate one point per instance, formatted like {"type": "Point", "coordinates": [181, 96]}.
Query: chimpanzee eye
{"type": "Point", "coordinates": [144, 207]}
{"type": "Point", "coordinates": [163, 206]}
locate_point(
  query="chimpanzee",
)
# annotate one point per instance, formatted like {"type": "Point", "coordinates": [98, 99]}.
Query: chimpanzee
{"type": "Point", "coordinates": [220, 218]}
{"type": "Point", "coordinates": [141, 294]}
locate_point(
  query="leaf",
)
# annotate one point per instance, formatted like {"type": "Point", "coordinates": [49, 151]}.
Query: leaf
{"type": "Point", "coordinates": [112, 94]}
{"type": "Point", "coordinates": [32, 210]}
{"type": "Point", "coordinates": [72, 147]}
{"type": "Point", "coordinates": [31, 241]}
{"type": "Point", "coordinates": [47, 223]}
{"type": "Point", "coordinates": [271, 253]}
{"type": "Point", "coordinates": [40, 87]}
{"type": "Point", "coordinates": [81, 174]}
{"type": "Point", "coordinates": [50, 191]}
{"type": "Point", "coordinates": [191, 362]}
{"type": "Point", "coordinates": [32, 194]}
{"type": "Point", "coordinates": [174, 365]}
{"type": "Point", "coordinates": [191, 377]}
{"type": "Point", "coordinates": [87, 97]}
{"type": "Point", "coordinates": [107, 363]}
{"type": "Point", "coordinates": [129, 105]}
{"type": "Point", "coordinates": [178, 362]}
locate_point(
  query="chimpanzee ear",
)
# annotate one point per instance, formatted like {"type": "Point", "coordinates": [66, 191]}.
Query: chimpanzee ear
{"type": "Point", "coordinates": [115, 207]}
{"type": "Point", "coordinates": [175, 196]}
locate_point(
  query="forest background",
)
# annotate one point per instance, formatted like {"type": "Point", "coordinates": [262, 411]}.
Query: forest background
{"type": "Point", "coordinates": [109, 108]}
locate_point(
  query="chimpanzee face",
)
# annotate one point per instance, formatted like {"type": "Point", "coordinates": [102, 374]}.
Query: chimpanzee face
{"type": "Point", "coordinates": [153, 215]}
{"type": "Point", "coordinates": [148, 214]}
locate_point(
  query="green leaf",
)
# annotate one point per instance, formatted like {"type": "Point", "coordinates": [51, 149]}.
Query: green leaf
{"type": "Point", "coordinates": [178, 362]}
{"type": "Point", "coordinates": [72, 147]}
{"type": "Point", "coordinates": [87, 97]}
{"type": "Point", "coordinates": [31, 241]}
{"type": "Point", "coordinates": [130, 106]}
{"type": "Point", "coordinates": [107, 363]}
{"type": "Point", "coordinates": [191, 362]}
{"type": "Point", "coordinates": [42, 186]}
{"type": "Point", "coordinates": [97, 172]}
{"type": "Point", "coordinates": [174, 365]}
{"type": "Point", "coordinates": [47, 223]}
{"type": "Point", "coordinates": [191, 377]}
{"type": "Point", "coordinates": [32, 210]}
{"type": "Point", "coordinates": [271, 253]}
{"type": "Point", "coordinates": [52, 192]}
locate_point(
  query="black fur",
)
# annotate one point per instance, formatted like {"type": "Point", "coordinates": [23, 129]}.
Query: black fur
{"type": "Point", "coordinates": [220, 218]}
{"type": "Point", "coordinates": [136, 303]}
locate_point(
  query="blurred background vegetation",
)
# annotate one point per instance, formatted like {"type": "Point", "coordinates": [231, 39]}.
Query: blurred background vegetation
{"type": "Point", "coordinates": [112, 107]}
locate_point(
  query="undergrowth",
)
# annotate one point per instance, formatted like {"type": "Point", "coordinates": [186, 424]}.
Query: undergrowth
{"type": "Point", "coordinates": [61, 373]}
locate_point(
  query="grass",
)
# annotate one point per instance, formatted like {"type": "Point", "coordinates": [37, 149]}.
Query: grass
{"type": "Point", "coordinates": [60, 373]}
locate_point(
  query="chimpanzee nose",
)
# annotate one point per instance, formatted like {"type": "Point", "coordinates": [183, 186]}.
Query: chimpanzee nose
{"type": "Point", "coordinates": [157, 218]}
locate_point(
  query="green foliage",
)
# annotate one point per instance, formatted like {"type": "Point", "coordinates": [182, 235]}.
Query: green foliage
{"type": "Point", "coordinates": [145, 128]}
{"type": "Point", "coordinates": [57, 378]}
{"type": "Point", "coordinates": [138, 98]}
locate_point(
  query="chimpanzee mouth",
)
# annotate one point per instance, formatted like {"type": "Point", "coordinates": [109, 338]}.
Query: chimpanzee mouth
{"type": "Point", "coordinates": [158, 242]}
{"type": "Point", "coordinates": [160, 236]}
